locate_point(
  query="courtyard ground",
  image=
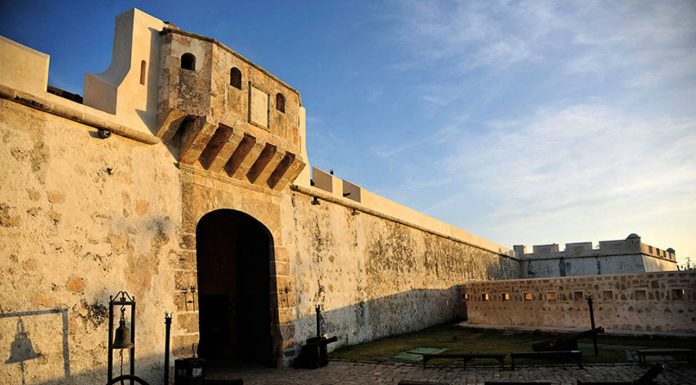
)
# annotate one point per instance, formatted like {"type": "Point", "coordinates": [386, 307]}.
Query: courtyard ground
{"type": "Point", "coordinates": [362, 373]}
{"type": "Point", "coordinates": [613, 349]}
{"type": "Point", "coordinates": [384, 362]}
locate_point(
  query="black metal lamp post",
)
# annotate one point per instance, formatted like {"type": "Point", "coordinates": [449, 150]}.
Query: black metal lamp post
{"type": "Point", "coordinates": [167, 332]}
{"type": "Point", "coordinates": [592, 323]}
{"type": "Point", "coordinates": [123, 338]}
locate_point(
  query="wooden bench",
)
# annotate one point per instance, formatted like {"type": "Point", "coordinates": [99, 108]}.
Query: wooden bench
{"type": "Point", "coordinates": [689, 354]}
{"type": "Point", "coordinates": [500, 357]}
{"type": "Point", "coordinates": [646, 379]}
{"type": "Point", "coordinates": [563, 355]}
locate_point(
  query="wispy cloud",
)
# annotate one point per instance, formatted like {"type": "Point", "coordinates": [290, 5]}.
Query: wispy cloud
{"type": "Point", "coordinates": [578, 155]}
{"type": "Point", "coordinates": [466, 32]}
{"type": "Point", "coordinates": [428, 138]}
{"type": "Point", "coordinates": [598, 137]}
{"type": "Point", "coordinates": [574, 172]}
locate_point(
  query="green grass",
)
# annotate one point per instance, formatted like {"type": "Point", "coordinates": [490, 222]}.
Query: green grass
{"type": "Point", "coordinates": [456, 340]}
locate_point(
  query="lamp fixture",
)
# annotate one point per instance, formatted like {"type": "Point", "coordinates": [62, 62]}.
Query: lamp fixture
{"type": "Point", "coordinates": [103, 133]}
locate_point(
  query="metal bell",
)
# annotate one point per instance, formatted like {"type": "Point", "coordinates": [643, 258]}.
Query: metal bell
{"type": "Point", "coordinates": [122, 338]}
{"type": "Point", "coordinates": [21, 349]}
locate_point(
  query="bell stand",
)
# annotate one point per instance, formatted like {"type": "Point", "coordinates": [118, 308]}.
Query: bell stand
{"type": "Point", "coordinates": [124, 300]}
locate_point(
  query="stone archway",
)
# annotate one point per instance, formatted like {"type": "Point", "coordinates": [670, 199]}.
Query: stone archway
{"type": "Point", "coordinates": [236, 309]}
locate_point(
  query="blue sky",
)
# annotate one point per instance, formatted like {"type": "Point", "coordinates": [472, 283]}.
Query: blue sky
{"type": "Point", "coordinates": [524, 122]}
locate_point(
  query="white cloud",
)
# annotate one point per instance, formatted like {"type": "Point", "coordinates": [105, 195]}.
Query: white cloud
{"type": "Point", "coordinates": [470, 33]}
{"type": "Point", "coordinates": [589, 169]}
{"type": "Point", "coordinates": [639, 43]}
{"type": "Point", "coordinates": [608, 149]}
{"type": "Point", "coordinates": [576, 154]}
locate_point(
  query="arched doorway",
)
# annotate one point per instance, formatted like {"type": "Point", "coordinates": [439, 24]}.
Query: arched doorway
{"type": "Point", "coordinates": [234, 257]}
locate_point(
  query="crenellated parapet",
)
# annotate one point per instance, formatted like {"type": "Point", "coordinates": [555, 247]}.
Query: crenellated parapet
{"type": "Point", "coordinates": [631, 245]}
{"type": "Point", "coordinates": [608, 257]}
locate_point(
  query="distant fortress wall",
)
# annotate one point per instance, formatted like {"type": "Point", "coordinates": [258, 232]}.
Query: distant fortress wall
{"type": "Point", "coordinates": [580, 258]}
{"type": "Point", "coordinates": [646, 303]}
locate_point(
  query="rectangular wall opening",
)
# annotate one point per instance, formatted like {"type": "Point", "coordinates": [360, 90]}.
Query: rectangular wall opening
{"type": "Point", "coordinates": [678, 294]}
{"type": "Point", "coordinates": [641, 295]}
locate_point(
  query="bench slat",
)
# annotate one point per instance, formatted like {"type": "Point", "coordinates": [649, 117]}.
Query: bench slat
{"type": "Point", "coordinates": [690, 354]}
{"type": "Point", "coordinates": [562, 354]}
{"type": "Point", "coordinates": [500, 357]}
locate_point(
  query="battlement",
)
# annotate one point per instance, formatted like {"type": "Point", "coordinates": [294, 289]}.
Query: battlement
{"type": "Point", "coordinates": [631, 245]}
{"type": "Point", "coordinates": [628, 255]}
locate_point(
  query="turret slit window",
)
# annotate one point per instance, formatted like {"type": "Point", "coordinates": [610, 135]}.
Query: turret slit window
{"type": "Point", "coordinates": [236, 78]}
{"type": "Point", "coordinates": [143, 71]}
{"type": "Point", "coordinates": [188, 61]}
{"type": "Point", "coordinates": [280, 102]}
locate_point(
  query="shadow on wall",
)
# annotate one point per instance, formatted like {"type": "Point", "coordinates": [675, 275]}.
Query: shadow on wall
{"type": "Point", "coordinates": [360, 322]}
{"type": "Point", "coordinates": [149, 72]}
{"type": "Point", "coordinates": [22, 348]}
{"type": "Point", "coordinates": [381, 317]}
{"type": "Point", "coordinates": [149, 368]}
{"type": "Point", "coordinates": [27, 361]}
{"type": "Point", "coordinates": [506, 268]}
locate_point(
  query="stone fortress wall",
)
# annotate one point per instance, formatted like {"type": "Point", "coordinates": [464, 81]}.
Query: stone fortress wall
{"type": "Point", "coordinates": [84, 215]}
{"type": "Point", "coordinates": [80, 221]}
{"type": "Point", "coordinates": [580, 258]}
{"type": "Point", "coordinates": [381, 277]}
{"type": "Point", "coordinates": [648, 303]}
{"type": "Point", "coordinates": [197, 130]}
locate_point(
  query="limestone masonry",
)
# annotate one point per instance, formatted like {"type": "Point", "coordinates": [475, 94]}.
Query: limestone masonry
{"type": "Point", "coordinates": [580, 258]}
{"type": "Point", "coordinates": [181, 176]}
{"type": "Point", "coordinates": [660, 302]}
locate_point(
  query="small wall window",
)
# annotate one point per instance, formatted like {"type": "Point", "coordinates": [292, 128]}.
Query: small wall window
{"type": "Point", "coordinates": [485, 297]}
{"type": "Point", "coordinates": [505, 296]}
{"type": "Point", "coordinates": [280, 102]}
{"type": "Point", "coordinates": [527, 296]}
{"type": "Point", "coordinates": [551, 296]}
{"type": "Point", "coordinates": [607, 295]}
{"type": "Point", "coordinates": [466, 296]}
{"type": "Point", "coordinates": [577, 296]}
{"type": "Point", "coordinates": [236, 78]}
{"type": "Point", "coordinates": [678, 294]}
{"type": "Point", "coordinates": [143, 71]}
{"type": "Point", "coordinates": [188, 61]}
{"type": "Point", "coordinates": [641, 295]}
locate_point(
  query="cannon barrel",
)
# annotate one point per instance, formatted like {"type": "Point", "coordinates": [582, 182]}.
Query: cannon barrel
{"type": "Point", "coordinates": [568, 342]}
{"type": "Point", "coordinates": [314, 354]}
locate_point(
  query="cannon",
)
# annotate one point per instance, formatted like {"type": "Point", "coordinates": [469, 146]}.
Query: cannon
{"type": "Point", "coordinates": [314, 354]}
{"type": "Point", "coordinates": [567, 342]}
